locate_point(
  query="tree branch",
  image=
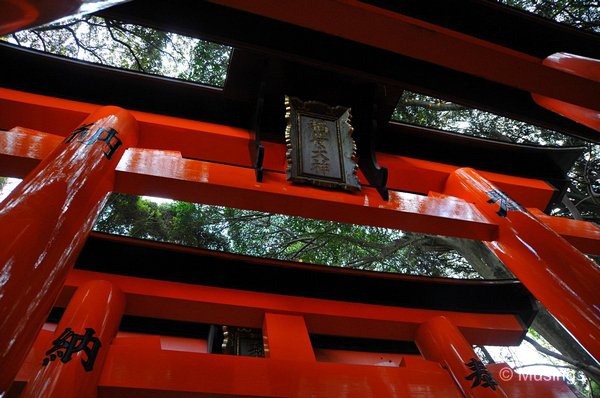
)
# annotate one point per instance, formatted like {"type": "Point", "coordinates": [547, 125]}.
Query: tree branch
{"type": "Point", "coordinates": [14, 36]}
{"type": "Point", "coordinates": [435, 106]}
{"type": "Point", "coordinates": [56, 27]}
{"type": "Point", "coordinates": [387, 252]}
{"type": "Point", "coordinates": [131, 32]}
{"type": "Point", "coordinates": [303, 248]}
{"type": "Point", "coordinates": [80, 44]}
{"type": "Point", "coordinates": [486, 353]}
{"type": "Point", "coordinates": [41, 40]}
{"type": "Point", "coordinates": [112, 35]}
{"type": "Point", "coordinates": [546, 364]}
{"type": "Point", "coordinates": [572, 208]}
{"type": "Point", "coordinates": [580, 365]}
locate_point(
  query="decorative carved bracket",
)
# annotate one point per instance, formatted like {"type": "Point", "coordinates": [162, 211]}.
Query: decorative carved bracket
{"type": "Point", "coordinates": [367, 160]}
{"type": "Point", "coordinates": [257, 150]}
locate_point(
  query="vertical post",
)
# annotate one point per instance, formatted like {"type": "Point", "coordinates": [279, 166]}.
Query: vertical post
{"type": "Point", "coordinates": [286, 337]}
{"type": "Point", "coordinates": [439, 340]}
{"type": "Point", "coordinates": [73, 363]}
{"type": "Point", "coordinates": [44, 223]}
{"type": "Point", "coordinates": [562, 278]}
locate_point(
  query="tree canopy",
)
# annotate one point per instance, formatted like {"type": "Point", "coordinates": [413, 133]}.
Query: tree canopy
{"type": "Point", "coordinates": [582, 14]}
{"type": "Point", "coordinates": [144, 49]}
{"type": "Point", "coordinates": [134, 47]}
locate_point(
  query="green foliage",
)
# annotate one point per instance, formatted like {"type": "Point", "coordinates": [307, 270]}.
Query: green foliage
{"type": "Point", "coordinates": [176, 222]}
{"type": "Point", "coordinates": [583, 14]}
{"type": "Point", "coordinates": [584, 190]}
{"type": "Point", "coordinates": [139, 48]}
{"type": "Point", "coordinates": [209, 62]}
{"type": "Point", "coordinates": [282, 237]}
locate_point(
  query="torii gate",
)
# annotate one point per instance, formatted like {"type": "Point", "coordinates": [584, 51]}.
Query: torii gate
{"type": "Point", "coordinates": [71, 154]}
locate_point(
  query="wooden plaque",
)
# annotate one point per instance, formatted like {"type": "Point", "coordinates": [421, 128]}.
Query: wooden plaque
{"type": "Point", "coordinates": [320, 148]}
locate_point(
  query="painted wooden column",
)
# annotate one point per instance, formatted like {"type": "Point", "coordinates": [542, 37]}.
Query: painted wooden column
{"type": "Point", "coordinates": [286, 337]}
{"type": "Point", "coordinates": [562, 278]}
{"type": "Point", "coordinates": [73, 363]}
{"type": "Point", "coordinates": [44, 223]}
{"type": "Point", "coordinates": [439, 340]}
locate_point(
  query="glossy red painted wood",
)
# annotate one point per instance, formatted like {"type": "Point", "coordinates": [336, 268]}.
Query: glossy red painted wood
{"type": "Point", "coordinates": [21, 149]}
{"type": "Point", "coordinates": [212, 305]}
{"type": "Point", "coordinates": [163, 174]}
{"type": "Point", "coordinates": [588, 68]}
{"type": "Point", "coordinates": [583, 235]}
{"type": "Point", "coordinates": [286, 337]}
{"type": "Point", "coordinates": [97, 305]}
{"type": "Point", "coordinates": [169, 375]}
{"type": "Point", "coordinates": [439, 340]}
{"type": "Point", "coordinates": [222, 144]}
{"type": "Point", "coordinates": [562, 278]}
{"type": "Point", "coordinates": [131, 372]}
{"type": "Point", "coordinates": [43, 224]}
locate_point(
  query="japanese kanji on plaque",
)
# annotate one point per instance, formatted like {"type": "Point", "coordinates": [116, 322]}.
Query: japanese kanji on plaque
{"type": "Point", "coordinates": [321, 150]}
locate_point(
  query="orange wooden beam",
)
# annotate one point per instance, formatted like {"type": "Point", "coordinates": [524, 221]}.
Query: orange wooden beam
{"type": "Point", "coordinates": [144, 365]}
{"type": "Point", "coordinates": [423, 176]}
{"type": "Point", "coordinates": [198, 140]}
{"type": "Point", "coordinates": [363, 23]}
{"type": "Point", "coordinates": [131, 372]}
{"type": "Point", "coordinates": [203, 304]}
{"type": "Point", "coordinates": [163, 174]}
{"type": "Point", "coordinates": [583, 235]}
{"type": "Point", "coordinates": [207, 141]}
{"type": "Point", "coordinates": [579, 66]}
{"type": "Point", "coordinates": [22, 148]}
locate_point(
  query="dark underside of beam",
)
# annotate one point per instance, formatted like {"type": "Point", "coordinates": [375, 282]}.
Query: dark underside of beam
{"type": "Point", "coordinates": [56, 76]}
{"type": "Point", "coordinates": [145, 259]}
{"type": "Point", "coordinates": [497, 23]}
{"type": "Point", "coordinates": [298, 45]}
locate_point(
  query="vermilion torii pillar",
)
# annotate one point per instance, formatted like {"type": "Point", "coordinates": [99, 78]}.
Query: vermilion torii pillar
{"type": "Point", "coordinates": [562, 278]}
{"type": "Point", "coordinates": [73, 363]}
{"type": "Point", "coordinates": [440, 340]}
{"type": "Point", "coordinates": [44, 223]}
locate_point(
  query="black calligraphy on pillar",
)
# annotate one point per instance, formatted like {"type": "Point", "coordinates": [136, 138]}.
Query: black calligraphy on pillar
{"type": "Point", "coordinates": [506, 203]}
{"type": "Point", "coordinates": [85, 136]}
{"type": "Point", "coordinates": [480, 376]}
{"type": "Point", "coordinates": [69, 343]}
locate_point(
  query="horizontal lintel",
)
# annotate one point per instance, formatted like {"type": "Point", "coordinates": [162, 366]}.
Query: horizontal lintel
{"type": "Point", "coordinates": [214, 305]}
